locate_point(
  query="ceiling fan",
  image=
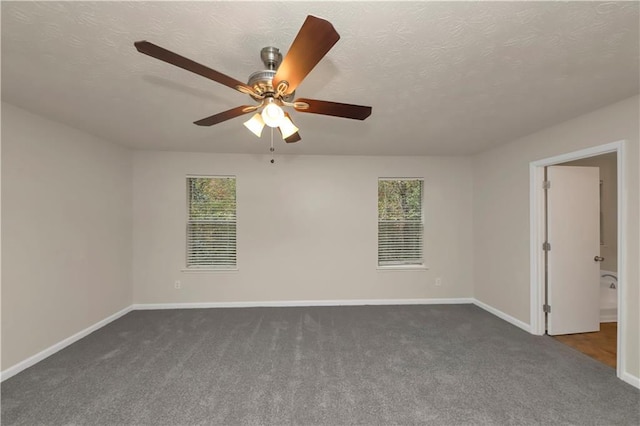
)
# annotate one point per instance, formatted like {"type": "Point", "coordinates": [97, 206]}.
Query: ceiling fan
{"type": "Point", "coordinates": [274, 87]}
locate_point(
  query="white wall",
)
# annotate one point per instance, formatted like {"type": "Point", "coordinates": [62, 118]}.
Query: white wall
{"type": "Point", "coordinates": [1, 244]}
{"type": "Point", "coordinates": [501, 211]}
{"type": "Point", "coordinates": [66, 232]}
{"type": "Point", "coordinates": [307, 228]}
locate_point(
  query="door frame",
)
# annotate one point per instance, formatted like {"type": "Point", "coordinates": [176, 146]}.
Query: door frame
{"type": "Point", "coordinates": [537, 220]}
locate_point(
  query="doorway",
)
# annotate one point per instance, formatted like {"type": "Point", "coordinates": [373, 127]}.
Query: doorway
{"type": "Point", "coordinates": [598, 339]}
{"type": "Point", "coordinates": [539, 292]}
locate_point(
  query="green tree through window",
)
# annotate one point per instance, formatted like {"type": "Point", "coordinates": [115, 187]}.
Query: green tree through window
{"type": "Point", "coordinates": [211, 226]}
{"type": "Point", "coordinates": [400, 222]}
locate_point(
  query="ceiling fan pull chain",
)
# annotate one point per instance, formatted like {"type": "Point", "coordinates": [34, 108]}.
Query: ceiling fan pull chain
{"type": "Point", "coordinates": [272, 149]}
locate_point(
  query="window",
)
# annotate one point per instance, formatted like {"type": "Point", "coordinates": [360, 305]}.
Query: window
{"type": "Point", "coordinates": [211, 223]}
{"type": "Point", "coordinates": [400, 222]}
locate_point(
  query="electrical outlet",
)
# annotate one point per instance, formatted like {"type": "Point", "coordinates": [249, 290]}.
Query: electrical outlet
{"type": "Point", "coordinates": [177, 285]}
{"type": "Point", "coordinates": [438, 281]}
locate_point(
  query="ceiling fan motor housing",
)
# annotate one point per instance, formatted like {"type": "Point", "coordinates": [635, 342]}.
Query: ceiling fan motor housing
{"type": "Point", "coordinates": [261, 81]}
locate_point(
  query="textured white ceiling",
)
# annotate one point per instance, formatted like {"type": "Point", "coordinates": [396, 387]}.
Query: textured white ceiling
{"type": "Point", "coordinates": [444, 78]}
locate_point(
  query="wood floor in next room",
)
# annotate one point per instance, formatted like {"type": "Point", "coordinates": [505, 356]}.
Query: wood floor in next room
{"type": "Point", "coordinates": [601, 345]}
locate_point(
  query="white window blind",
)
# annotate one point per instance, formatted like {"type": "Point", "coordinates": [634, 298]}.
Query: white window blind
{"type": "Point", "coordinates": [211, 224]}
{"type": "Point", "coordinates": [400, 222]}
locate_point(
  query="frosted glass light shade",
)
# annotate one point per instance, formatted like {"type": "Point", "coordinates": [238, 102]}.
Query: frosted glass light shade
{"type": "Point", "coordinates": [287, 128]}
{"type": "Point", "coordinates": [255, 124]}
{"type": "Point", "coordinates": [272, 115]}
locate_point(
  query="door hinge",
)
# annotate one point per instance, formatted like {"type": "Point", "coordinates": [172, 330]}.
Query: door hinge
{"type": "Point", "coordinates": [546, 309]}
{"type": "Point", "coordinates": [546, 184]}
{"type": "Point", "coordinates": [546, 246]}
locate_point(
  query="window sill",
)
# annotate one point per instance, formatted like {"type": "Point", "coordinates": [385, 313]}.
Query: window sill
{"type": "Point", "coordinates": [403, 268]}
{"type": "Point", "coordinates": [207, 270]}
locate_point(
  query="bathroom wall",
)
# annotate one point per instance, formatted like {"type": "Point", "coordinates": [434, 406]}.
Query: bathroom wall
{"type": "Point", "coordinates": [608, 166]}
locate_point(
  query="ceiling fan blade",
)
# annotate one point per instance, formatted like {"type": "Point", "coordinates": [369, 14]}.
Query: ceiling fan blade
{"type": "Point", "coordinates": [187, 64]}
{"type": "Point", "coordinates": [226, 115]}
{"type": "Point", "coordinates": [315, 38]}
{"type": "Point", "coordinates": [336, 109]}
{"type": "Point", "coordinates": [293, 138]}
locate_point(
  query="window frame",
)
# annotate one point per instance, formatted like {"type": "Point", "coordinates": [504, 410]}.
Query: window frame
{"type": "Point", "coordinates": [402, 267]}
{"type": "Point", "coordinates": [206, 268]}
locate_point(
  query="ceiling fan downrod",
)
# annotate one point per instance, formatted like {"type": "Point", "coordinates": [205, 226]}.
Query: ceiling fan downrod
{"type": "Point", "coordinates": [271, 57]}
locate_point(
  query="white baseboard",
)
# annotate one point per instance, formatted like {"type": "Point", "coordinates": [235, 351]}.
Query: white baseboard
{"type": "Point", "coordinates": [12, 371]}
{"type": "Point", "coordinates": [15, 369]}
{"type": "Point", "coordinates": [608, 318]}
{"type": "Point", "coordinates": [508, 318]}
{"type": "Point", "coordinates": [300, 303]}
{"type": "Point", "coordinates": [632, 380]}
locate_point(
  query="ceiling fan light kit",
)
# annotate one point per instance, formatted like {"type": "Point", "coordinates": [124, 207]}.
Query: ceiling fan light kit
{"type": "Point", "coordinates": [287, 128]}
{"type": "Point", "coordinates": [255, 124]}
{"type": "Point", "coordinates": [272, 114]}
{"type": "Point", "coordinates": [274, 87]}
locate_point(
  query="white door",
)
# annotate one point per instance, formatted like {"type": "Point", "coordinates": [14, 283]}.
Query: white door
{"type": "Point", "coordinates": [573, 220]}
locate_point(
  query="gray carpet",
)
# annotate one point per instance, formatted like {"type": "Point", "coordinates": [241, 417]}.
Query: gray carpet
{"type": "Point", "coordinates": [439, 364]}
